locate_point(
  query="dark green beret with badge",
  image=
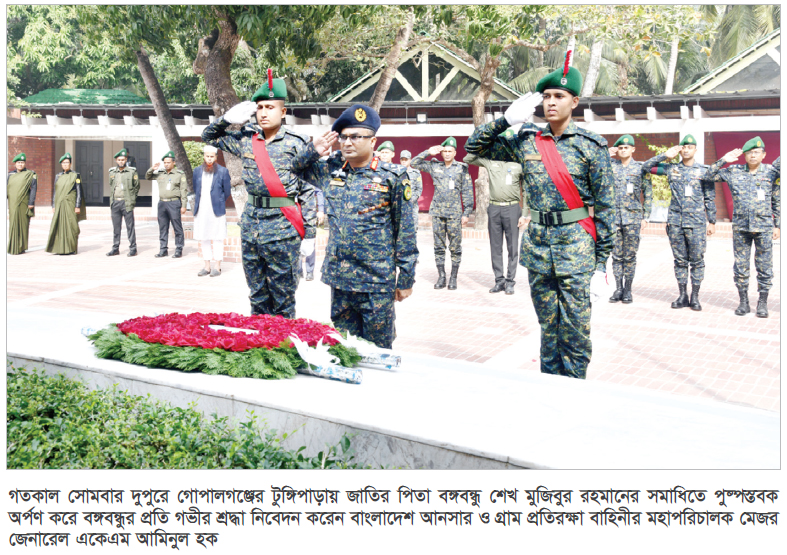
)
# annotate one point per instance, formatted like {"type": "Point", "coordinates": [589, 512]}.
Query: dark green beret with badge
{"type": "Point", "coordinates": [21, 156]}
{"type": "Point", "coordinates": [450, 141]}
{"type": "Point", "coordinates": [273, 89]}
{"type": "Point", "coordinates": [66, 156]}
{"type": "Point", "coordinates": [568, 79]}
{"type": "Point", "coordinates": [387, 145]}
{"type": "Point", "coordinates": [625, 140]}
{"type": "Point", "coordinates": [688, 140]}
{"type": "Point", "coordinates": [756, 142]}
{"type": "Point", "coordinates": [169, 154]}
{"type": "Point", "coordinates": [121, 152]}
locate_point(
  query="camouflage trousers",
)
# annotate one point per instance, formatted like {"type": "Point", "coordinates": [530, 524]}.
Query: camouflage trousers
{"type": "Point", "coordinates": [271, 274]}
{"type": "Point", "coordinates": [367, 315]}
{"type": "Point", "coordinates": [562, 305]}
{"type": "Point", "coordinates": [763, 258]}
{"type": "Point", "coordinates": [688, 248]}
{"type": "Point", "coordinates": [450, 228]}
{"type": "Point", "coordinates": [624, 255]}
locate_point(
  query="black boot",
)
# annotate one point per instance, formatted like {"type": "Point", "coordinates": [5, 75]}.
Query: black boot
{"type": "Point", "coordinates": [452, 280]}
{"type": "Point", "coordinates": [440, 278]}
{"type": "Point", "coordinates": [162, 253]}
{"type": "Point", "coordinates": [178, 253]}
{"type": "Point", "coordinates": [694, 303]}
{"type": "Point", "coordinates": [762, 305]}
{"type": "Point", "coordinates": [618, 294]}
{"type": "Point", "coordinates": [113, 252]}
{"type": "Point", "coordinates": [744, 307]}
{"type": "Point", "coordinates": [626, 299]}
{"type": "Point", "coordinates": [132, 252]}
{"type": "Point", "coordinates": [683, 300]}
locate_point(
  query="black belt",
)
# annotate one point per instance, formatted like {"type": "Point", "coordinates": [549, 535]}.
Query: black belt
{"type": "Point", "coordinates": [559, 218]}
{"type": "Point", "coordinates": [259, 201]}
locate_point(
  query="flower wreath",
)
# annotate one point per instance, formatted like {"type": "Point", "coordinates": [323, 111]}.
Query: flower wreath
{"type": "Point", "coordinates": [187, 342]}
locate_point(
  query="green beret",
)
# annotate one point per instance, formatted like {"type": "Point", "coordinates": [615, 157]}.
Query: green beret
{"type": "Point", "coordinates": [387, 144]}
{"type": "Point", "coordinates": [121, 152]}
{"type": "Point", "coordinates": [66, 156]}
{"type": "Point", "coordinates": [450, 141]}
{"type": "Point", "coordinates": [169, 154]}
{"type": "Point", "coordinates": [278, 92]}
{"type": "Point", "coordinates": [571, 82]}
{"type": "Point", "coordinates": [756, 142]}
{"type": "Point", "coordinates": [625, 140]}
{"type": "Point", "coordinates": [20, 156]}
{"type": "Point", "coordinates": [688, 140]}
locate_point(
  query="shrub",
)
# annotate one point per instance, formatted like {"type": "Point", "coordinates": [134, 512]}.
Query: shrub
{"type": "Point", "coordinates": [56, 422]}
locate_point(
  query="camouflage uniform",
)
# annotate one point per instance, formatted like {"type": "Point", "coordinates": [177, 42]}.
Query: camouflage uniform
{"type": "Point", "coordinates": [754, 216]}
{"type": "Point", "coordinates": [372, 233]}
{"type": "Point", "coordinates": [447, 208]}
{"type": "Point", "coordinates": [417, 188]}
{"type": "Point", "coordinates": [630, 183]}
{"type": "Point", "coordinates": [269, 242]}
{"type": "Point", "coordinates": [560, 259]}
{"type": "Point", "coordinates": [686, 227]}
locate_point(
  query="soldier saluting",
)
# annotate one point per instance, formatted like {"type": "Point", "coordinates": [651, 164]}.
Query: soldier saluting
{"type": "Point", "coordinates": [756, 218]}
{"type": "Point", "coordinates": [630, 215]}
{"type": "Point", "coordinates": [372, 225]}
{"type": "Point", "coordinates": [451, 205]}
{"type": "Point", "coordinates": [566, 170]}
{"type": "Point", "coordinates": [693, 200]}
{"type": "Point", "coordinates": [172, 190]}
{"type": "Point", "coordinates": [280, 211]}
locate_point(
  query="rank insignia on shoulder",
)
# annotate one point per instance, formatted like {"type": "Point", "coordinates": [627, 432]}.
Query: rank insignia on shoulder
{"type": "Point", "coordinates": [408, 193]}
{"type": "Point", "coordinates": [508, 134]}
{"type": "Point", "coordinates": [406, 181]}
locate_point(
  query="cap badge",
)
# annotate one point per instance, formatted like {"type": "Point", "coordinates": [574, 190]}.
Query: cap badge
{"type": "Point", "coordinates": [563, 81]}
{"type": "Point", "coordinates": [360, 114]}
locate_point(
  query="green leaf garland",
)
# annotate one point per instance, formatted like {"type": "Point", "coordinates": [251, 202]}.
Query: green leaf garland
{"type": "Point", "coordinates": [268, 364]}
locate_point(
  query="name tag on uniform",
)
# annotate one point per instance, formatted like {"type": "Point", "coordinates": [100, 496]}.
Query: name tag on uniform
{"type": "Point", "coordinates": [337, 182]}
{"type": "Point", "coordinates": [450, 184]}
{"type": "Point", "coordinates": [375, 187]}
{"type": "Point", "coordinates": [760, 194]}
{"type": "Point", "coordinates": [169, 185]}
{"type": "Point", "coordinates": [509, 179]}
{"type": "Point", "coordinates": [689, 190]}
{"type": "Point", "coordinates": [121, 186]}
{"type": "Point", "coordinates": [533, 157]}
{"type": "Point", "coordinates": [629, 188]}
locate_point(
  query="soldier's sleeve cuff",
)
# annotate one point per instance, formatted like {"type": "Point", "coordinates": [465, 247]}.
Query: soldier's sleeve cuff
{"type": "Point", "coordinates": [405, 282]}
{"type": "Point", "coordinates": [499, 125]}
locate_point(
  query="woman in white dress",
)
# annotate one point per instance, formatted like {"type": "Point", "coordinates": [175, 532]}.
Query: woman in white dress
{"type": "Point", "coordinates": [211, 190]}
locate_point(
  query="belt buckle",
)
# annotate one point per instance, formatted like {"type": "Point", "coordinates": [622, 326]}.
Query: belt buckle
{"type": "Point", "coordinates": [547, 219]}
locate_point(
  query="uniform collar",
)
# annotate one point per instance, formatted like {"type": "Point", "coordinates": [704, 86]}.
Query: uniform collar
{"type": "Point", "coordinates": [279, 134]}
{"type": "Point", "coordinates": [572, 129]}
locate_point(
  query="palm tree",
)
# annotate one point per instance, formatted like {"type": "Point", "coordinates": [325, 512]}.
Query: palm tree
{"type": "Point", "coordinates": [739, 26]}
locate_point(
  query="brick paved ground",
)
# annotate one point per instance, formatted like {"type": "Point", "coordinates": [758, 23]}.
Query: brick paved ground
{"type": "Point", "coordinates": [711, 354]}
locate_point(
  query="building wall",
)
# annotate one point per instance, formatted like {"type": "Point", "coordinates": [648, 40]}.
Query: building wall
{"type": "Point", "coordinates": [41, 159]}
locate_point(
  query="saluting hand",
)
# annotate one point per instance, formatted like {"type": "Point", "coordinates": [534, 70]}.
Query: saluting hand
{"type": "Point", "coordinates": [732, 155]}
{"type": "Point", "coordinates": [240, 113]}
{"type": "Point", "coordinates": [613, 150]}
{"type": "Point", "coordinates": [673, 152]}
{"type": "Point", "coordinates": [522, 108]}
{"type": "Point", "coordinates": [435, 150]}
{"type": "Point", "coordinates": [323, 143]}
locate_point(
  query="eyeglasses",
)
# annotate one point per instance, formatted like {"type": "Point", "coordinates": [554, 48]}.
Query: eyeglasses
{"type": "Point", "coordinates": [353, 138]}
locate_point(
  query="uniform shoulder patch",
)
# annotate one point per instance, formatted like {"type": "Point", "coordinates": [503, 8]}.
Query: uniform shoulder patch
{"type": "Point", "coordinates": [595, 137]}
{"type": "Point", "coordinates": [301, 136]}
{"type": "Point", "coordinates": [407, 193]}
{"type": "Point", "coordinates": [180, 171]}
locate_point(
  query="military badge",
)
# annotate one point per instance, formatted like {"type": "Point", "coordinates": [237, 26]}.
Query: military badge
{"type": "Point", "coordinates": [563, 81]}
{"type": "Point", "coordinates": [408, 193]}
{"type": "Point", "coordinates": [360, 114]}
{"type": "Point", "coordinates": [626, 140]}
{"type": "Point", "coordinates": [759, 143]}
{"type": "Point", "coordinates": [79, 181]}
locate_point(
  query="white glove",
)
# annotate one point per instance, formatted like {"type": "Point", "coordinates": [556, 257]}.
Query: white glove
{"type": "Point", "coordinates": [240, 113]}
{"type": "Point", "coordinates": [522, 108]}
{"type": "Point", "coordinates": [598, 286]}
{"type": "Point", "coordinates": [307, 247]}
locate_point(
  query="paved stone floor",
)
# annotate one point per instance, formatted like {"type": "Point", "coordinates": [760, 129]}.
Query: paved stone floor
{"type": "Point", "coordinates": [711, 354]}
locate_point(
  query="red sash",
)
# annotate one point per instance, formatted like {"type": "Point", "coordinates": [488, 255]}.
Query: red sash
{"type": "Point", "coordinates": [560, 176]}
{"type": "Point", "coordinates": [273, 183]}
